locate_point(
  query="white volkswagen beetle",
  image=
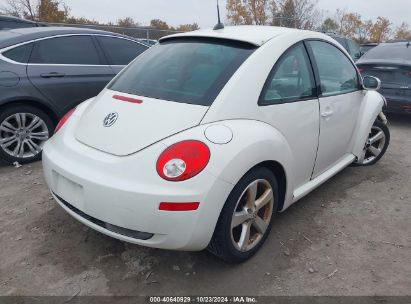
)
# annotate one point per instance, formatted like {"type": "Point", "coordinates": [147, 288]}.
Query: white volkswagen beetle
{"type": "Point", "coordinates": [205, 137]}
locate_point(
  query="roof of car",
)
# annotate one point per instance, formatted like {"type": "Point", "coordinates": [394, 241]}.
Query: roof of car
{"type": "Point", "coordinates": [16, 36]}
{"type": "Point", "coordinates": [389, 58]}
{"type": "Point", "coordinates": [15, 19]}
{"type": "Point", "coordinates": [253, 34]}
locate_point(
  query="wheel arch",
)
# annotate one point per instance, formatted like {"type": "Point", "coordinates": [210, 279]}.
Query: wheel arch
{"type": "Point", "coordinates": [369, 111]}
{"type": "Point", "coordinates": [34, 103]}
{"type": "Point", "coordinates": [278, 170]}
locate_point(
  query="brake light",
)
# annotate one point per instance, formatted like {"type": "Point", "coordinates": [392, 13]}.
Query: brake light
{"type": "Point", "coordinates": [183, 160]}
{"type": "Point", "coordinates": [127, 99]}
{"type": "Point", "coordinates": [64, 120]}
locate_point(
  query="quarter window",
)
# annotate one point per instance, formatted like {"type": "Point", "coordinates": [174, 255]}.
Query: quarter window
{"type": "Point", "coordinates": [121, 51]}
{"type": "Point", "coordinates": [66, 50]}
{"type": "Point", "coordinates": [290, 80]}
{"type": "Point", "coordinates": [19, 54]}
{"type": "Point", "coordinates": [337, 73]}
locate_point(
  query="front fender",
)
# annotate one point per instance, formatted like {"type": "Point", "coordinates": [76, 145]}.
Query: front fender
{"type": "Point", "coordinates": [371, 107]}
{"type": "Point", "coordinates": [253, 142]}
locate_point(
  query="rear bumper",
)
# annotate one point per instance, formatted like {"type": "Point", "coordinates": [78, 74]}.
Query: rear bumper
{"type": "Point", "coordinates": [400, 106]}
{"type": "Point", "coordinates": [120, 196]}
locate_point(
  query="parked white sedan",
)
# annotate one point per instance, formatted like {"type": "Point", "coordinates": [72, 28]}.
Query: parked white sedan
{"type": "Point", "coordinates": [205, 137]}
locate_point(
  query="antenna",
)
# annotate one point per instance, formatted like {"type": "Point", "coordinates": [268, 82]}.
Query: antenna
{"type": "Point", "coordinates": [219, 25]}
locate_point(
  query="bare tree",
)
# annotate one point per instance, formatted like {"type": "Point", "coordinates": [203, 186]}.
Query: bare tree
{"type": "Point", "coordinates": [12, 8]}
{"type": "Point", "coordinates": [329, 25]}
{"type": "Point", "coordinates": [403, 32]}
{"type": "Point", "coordinates": [301, 14]}
{"type": "Point", "coordinates": [41, 10]}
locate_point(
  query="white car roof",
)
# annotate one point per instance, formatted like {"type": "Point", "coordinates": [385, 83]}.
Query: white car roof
{"type": "Point", "coordinates": [257, 35]}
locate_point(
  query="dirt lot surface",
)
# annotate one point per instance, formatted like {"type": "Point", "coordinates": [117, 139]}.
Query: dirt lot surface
{"type": "Point", "coordinates": [352, 236]}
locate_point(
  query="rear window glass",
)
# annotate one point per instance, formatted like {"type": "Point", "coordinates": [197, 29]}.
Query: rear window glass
{"type": "Point", "coordinates": [192, 71]}
{"type": "Point", "coordinates": [19, 54]}
{"type": "Point", "coordinates": [390, 51]}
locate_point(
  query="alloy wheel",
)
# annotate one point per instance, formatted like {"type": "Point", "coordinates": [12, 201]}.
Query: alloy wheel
{"type": "Point", "coordinates": [252, 215]}
{"type": "Point", "coordinates": [374, 146]}
{"type": "Point", "coordinates": [22, 135]}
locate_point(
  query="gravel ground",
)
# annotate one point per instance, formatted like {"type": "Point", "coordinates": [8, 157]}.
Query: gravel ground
{"type": "Point", "coordinates": [352, 236]}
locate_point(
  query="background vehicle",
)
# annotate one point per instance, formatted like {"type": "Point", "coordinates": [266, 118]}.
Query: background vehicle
{"type": "Point", "coordinates": [45, 72]}
{"type": "Point", "coordinates": [203, 147]}
{"type": "Point", "coordinates": [391, 63]}
{"type": "Point", "coordinates": [367, 46]}
{"type": "Point", "coordinates": [149, 42]}
{"type": "Point", "coordinates": [351, 46]}
{"type": "Point", "coordinates": [8, 22]}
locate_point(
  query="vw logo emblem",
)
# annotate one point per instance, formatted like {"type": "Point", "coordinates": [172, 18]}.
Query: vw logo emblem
{"type": "Point", "coordinates": [110, 119]}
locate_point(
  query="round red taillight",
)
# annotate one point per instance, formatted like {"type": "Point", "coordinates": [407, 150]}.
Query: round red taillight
{"type": "Point", "coordinates": [183, 160]}
{"type": "Point", "coordinates": [64, 120]}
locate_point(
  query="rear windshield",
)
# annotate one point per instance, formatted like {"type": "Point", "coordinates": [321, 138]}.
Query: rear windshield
{"type": "Point", "coordinates": [192, 71]}
{"type": "Point", "coordinates": [390, 51]}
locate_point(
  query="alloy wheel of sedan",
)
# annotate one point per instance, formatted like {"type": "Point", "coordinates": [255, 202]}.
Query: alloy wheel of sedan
{"type": "Point", "coordinates": [23, 133]}
{"type": "Point", "coordinates": [252, 215]}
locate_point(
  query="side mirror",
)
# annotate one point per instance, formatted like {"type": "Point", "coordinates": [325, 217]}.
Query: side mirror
{"type": "Point", "coordinates": [371, 83]}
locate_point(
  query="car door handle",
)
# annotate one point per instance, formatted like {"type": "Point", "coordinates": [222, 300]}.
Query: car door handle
{"type": "Point", "coordinates": [52, 75]}
{"type": "Point", "coordinates": [326, 114]}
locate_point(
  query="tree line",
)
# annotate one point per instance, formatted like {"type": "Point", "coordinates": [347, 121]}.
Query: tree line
{"type": "Point", "coordinates": [305, 14]}
{"type": "Point", "coordinates": [56, 11]}
{"type": "Point", "coordinates": [301, 14]}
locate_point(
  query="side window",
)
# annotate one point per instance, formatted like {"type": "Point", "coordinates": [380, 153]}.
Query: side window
{"type": "Point", "coordinates": [120, 51]}
{"type": "Point", "coordinates": [66, 50]}
{"type": "Point", "coordinates": [290, 80]}
{"type": "Point", "coordinates": [19, 54]}
{"type": "Point", "coordinates": [337, 73]}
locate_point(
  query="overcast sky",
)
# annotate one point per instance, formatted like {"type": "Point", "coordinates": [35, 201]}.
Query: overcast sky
{"type": "Point", "coordinates": [203, 12]}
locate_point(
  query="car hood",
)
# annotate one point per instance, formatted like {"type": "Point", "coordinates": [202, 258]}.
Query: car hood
{"type": "Point", "coordinates": [122, 124]}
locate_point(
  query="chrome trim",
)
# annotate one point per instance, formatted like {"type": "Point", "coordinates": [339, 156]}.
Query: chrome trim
{"type": "Point", "coordinates": [2, 57]}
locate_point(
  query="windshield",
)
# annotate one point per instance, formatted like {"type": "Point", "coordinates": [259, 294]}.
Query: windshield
{"type": "Point", "coordinates": [390, 51]}
{"type": "Point", "coordinates": [190, 71]}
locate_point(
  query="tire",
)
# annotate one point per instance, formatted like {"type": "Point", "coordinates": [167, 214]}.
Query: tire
{"type": "Point", "coordinates": [23, 131]}
{"type": "Point", "coordinates": [374, 149]}
{"type": "Point", "coordinates": [227, 242]}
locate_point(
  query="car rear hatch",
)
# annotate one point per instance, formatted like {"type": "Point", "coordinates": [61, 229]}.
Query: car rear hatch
{"type": "Point", "coordinates": [166, 90]}
{"type": "Point", "coordinates": [122, 124]}
{"type": "Point", "coordinates": [395, 79]}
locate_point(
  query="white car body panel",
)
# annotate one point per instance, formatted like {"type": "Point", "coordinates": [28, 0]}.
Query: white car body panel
{"type": "Point", "coordinates": [115, 180]}
{"type": "Point", "coordinates": [338, 120]}
{"type": "Point", "coordinates": [135, 119]}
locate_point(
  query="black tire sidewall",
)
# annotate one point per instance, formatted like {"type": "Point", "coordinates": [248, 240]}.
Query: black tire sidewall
{"type": "Point", "coordinates": [221, 244]}
{"type": "Point", "coordinates": [8, 111]}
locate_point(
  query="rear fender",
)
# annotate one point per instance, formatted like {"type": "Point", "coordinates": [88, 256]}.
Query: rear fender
{"type": "Point", "coordinates": [370, 109]}
{"type": "Point", "coordinates": [253, 142]}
